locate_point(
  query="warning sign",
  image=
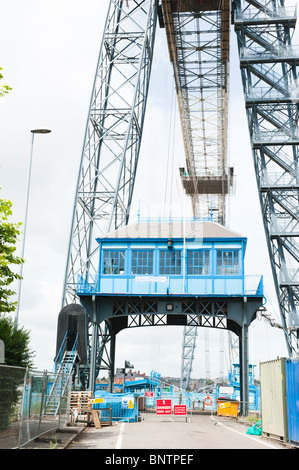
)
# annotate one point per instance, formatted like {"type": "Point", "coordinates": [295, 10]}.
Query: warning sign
{"type": "Point", "coordinates": [96, 400]}
{"type": "Point", "coordinates": [127, 403]}
{"type": "Point", "coordinates": [180, 410]}
{"type": "Point", "coordinates": [224, 405]}
{"type": "Point", "coordinates": [131, 404]}
{"type": "Point", "coordinates": [163, 407]}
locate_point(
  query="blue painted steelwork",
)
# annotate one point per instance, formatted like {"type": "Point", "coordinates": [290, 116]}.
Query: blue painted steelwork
{"type": "Point", "coordinates": [60, 353]}
{"type": "Point", "coordinates": [155, 379]}
{"type": "Point", "coordinates": [63, 368]}
{"type": "Point", "coordinates": [152, 384]}
{"type": "Point", "coordinates": [191, 267]}
{"type": "Point", "coordinates": [292, 387]}
{"type": "Point", "coordinates": [175, 273]}
{"type": "Point", "coordinates": [254, 387]}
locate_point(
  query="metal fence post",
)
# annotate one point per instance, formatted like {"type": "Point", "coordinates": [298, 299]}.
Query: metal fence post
{"type": "Point", "coordinates": [42, 399]}
{"type": "Point", "coordinates": [61, 391]}
{"type": "Point", "coordinates": [22, 406]}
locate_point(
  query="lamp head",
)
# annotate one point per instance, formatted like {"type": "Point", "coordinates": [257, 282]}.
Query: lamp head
{"type": "Point", "coordinates": [41, 131]}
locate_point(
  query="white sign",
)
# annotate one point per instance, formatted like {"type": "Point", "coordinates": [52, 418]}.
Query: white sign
{"type": "Point", "coordinates": [2, 352]}
{"type": "Point", "coordinates": [226, 390]}
{"type": "Point", "coordinates": [127, 403]}
{"type": "Point", "coordinates": [150, 279]}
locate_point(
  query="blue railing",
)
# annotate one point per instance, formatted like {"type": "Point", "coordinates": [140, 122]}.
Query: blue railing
{"type": "Point", "coordinates": [61, 376]}
{"type": "Point", "coordinates": [161, 285]}
{"type": "Point", "coordinates": [58, 358]}
{"type": "Point", "coordinates": [62, 350]}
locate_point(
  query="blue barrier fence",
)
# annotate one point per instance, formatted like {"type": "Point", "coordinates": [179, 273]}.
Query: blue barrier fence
{"type": "Point", "coordinates": [123, 406]}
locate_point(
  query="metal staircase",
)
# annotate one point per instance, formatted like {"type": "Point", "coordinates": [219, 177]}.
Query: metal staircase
{"type": "Point", "coordinates": [62, 379]}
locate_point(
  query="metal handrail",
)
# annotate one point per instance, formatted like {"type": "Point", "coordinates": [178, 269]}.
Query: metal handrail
{"type": "Point", "coordinates": [89, 285]}
{"type": "Point", "coordinates": [60, 352]}
{"type": "Point", "coordinates": [254, 14]}
{"type": "Point", "coordinates": [60, 380]}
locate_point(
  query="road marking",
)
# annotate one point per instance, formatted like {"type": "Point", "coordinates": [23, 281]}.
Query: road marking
{"type": "Point", "coordinates": [246, 435]}
{"type": "Point", "coordinates": [120, 436]}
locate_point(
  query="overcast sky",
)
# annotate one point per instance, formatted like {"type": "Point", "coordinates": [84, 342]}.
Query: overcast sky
{"type": "Point", "coordinates": [48, 55]}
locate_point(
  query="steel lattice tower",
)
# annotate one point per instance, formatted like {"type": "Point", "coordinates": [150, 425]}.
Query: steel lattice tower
{"type": "Point", "coordinates": [269, 69]}
{"type": "Point", "coordinates": [113, 134]}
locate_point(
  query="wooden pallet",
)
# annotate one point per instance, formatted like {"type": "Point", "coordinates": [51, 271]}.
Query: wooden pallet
{"type": "Point", "coordinates": [81, 402]}
{"type": "Point", "coordinates": [80, 407]}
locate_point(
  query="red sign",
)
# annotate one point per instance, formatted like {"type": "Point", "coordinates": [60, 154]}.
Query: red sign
{"type": "Point", "coordinates": [163, 407]}
{"type": "Point", "coordinates": [149, 394]}
{"type": "Point", "coordinates": [180, 410]}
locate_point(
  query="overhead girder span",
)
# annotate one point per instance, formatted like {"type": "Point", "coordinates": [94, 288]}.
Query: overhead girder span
{"type": "Point", "coordinates": [198, 35]}
{"type": "Point", "coordinates": [269, 70]}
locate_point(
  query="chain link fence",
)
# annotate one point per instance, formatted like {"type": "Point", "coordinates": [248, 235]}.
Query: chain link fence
{"type": "Point", "coordinates": [31, 403]}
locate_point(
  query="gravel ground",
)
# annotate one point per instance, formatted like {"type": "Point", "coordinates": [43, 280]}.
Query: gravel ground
{"type": "Point", "coordinates": [59, 439]}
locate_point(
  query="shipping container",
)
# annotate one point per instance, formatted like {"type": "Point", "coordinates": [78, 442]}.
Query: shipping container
{"type": "Point", "coordinates": [292, 386]}
{"type": "Point", "coordinates": [273, 399]}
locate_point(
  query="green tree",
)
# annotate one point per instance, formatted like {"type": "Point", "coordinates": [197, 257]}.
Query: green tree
{"type": "Point", "coordinates": [17, 353]}
{"type": "Point", "coordinates": [17, 343]}
{"type": "Point", "coordinates": [9, 233]}
{"type": "Point", "coordinates": [16, 340]}
{"type": "Point", "coordinates": [3, 88]}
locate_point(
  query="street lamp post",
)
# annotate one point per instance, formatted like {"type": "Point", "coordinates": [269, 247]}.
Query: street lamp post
{"type": "Point", "coordinates": [34, 131]}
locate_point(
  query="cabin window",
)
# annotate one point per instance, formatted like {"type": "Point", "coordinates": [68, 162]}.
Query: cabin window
{"type": "Point", "coordinates": [142, 262]}
{"type": "Point", "coordinates": [198, 262]}
{"type": "Point", "coordinates": [170, 262]}
{"type": "Point", "coordinates": [114, 262]}
{"type": "Point", "coordinates": [228, 262]}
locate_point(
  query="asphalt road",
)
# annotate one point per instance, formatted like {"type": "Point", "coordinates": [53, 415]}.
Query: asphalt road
{"type": "Point", "coordinates": [162, 432]}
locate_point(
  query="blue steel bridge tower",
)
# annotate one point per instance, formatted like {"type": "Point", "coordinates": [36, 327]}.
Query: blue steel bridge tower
{"type": "Point", "coordinates": [198, 37]}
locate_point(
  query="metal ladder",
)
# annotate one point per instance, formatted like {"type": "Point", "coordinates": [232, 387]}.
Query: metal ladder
{"type": "Point", "coordinates": [61, 381]}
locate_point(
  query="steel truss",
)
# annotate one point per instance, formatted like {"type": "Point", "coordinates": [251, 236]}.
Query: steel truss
{"type": "Point", "coordinates": [198, 43]}
{"type": "Point", "coordinates": [269, 69]}
{"type": "Point", "coordinates": [211, 314]}
{"type": "Point", "coordinates": [113, 134]}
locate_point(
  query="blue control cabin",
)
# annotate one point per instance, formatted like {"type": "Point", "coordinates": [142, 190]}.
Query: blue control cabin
{"type": "Point", "coordinates": [189, 258]}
